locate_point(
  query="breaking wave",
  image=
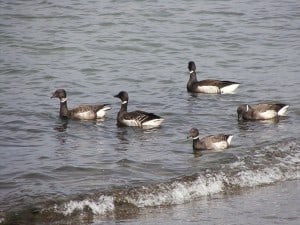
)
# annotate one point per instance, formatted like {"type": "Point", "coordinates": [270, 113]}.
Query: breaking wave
{"type": "Point", "coordinates": [256, 167]}
{"type": "Point", "coordinates": [259, 167]}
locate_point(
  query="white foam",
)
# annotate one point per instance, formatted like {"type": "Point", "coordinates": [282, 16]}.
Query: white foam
{"type": "Point", "coordinates": [239, 174]}
{"type": "Point", "coordinates": [99, 207]}
{"type": "Point", "coordinates": [207, 184]}
{"type": "Point", "coordinates": [179, 192]}
{"type": "Point", "coordinates": [285, 168]}
{"type": "Point", "coordinates": [255, 178]}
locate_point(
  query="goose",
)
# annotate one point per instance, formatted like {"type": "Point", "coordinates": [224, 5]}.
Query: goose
{"type": "Point", "coordinates": [262, 111]}
{"type": "Point", "coordinates": [82, 112]}
{"type": "Point", "coordinates": [135, 118]}
{"type": "Point", "coordinates": [211, 142]}
{"type": "Point", "coordinates": [208, 86]}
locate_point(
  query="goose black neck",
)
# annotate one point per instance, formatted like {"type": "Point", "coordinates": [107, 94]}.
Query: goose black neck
{"type": "Point", "coordinates": [192, 80]}
{"type": "Point", "coordinates": [124, 107]}
{"type": "Point", "coordinates": [193, 76]}
{"type": "Point", "coordinates": [64, 112]}
{"type": "Point", "coordinates": [195, 141]}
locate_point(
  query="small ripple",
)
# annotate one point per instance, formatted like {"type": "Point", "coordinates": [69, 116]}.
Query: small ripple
{"type": "Point", "coordinates": [7, 185]}
{"type": "Point", "coordinates": [35, 176]}
{"type": "Point", "coordinates": [75, 169]}
{"type": "Point", "coordinates": [222, 13]}
{"type": "Point", "coordinates": [124, 162]}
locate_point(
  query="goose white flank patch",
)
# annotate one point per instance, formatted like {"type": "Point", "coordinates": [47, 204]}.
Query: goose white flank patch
{"type": "Point", "coordinates": [83, 112]}
{"type": "Point", "coordinates": [283, 110]}
{"type": "Point", "coordinates": [261, 111]}
{"type": "Point", "coordinates": [209, 86]}
{"type": "Point", "coordinates": [136, 118]}
{"type": "Point", "coordinates": [211, 142]}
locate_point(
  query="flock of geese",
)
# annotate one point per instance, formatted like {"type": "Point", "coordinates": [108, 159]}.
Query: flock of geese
{"type": "Point", "coordinates": [262, 111]}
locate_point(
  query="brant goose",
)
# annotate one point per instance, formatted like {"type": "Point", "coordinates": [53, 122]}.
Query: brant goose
{"type": "Point", "coordinates": [135, 118]}
{"type": "Point", "coordinates": [85, 112]}
{"type": "Point", "coordinates": [261, 111]}
{"type": "Point", "coordinates": [208, 86]}
{"type": "Point", "coordinates": [211, 142]}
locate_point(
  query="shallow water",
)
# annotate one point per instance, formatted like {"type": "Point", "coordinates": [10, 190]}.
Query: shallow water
{"type": "Point", "coordinates": [51, 169]}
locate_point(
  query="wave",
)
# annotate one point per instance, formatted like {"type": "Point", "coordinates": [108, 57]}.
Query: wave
{"type": "Point", "coordinates": [255, 167]}
{"type": "Point", "coordinates": [259, 167]}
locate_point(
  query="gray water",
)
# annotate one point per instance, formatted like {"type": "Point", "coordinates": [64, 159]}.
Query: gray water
{"type": "Point", "coordinates": [53, 170]}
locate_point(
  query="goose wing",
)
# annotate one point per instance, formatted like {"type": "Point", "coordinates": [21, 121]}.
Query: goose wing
{"type": "Point", "coordinates": [214, 86]}
{"type": "Point", "coordinates": [216, 142]}
{"type": "Point", "coordinates": [216, 83]}
{"type": "Point", "coordinates": [89, 111]}
{"type": "Point", "coordinates": [90, 108]}
{"type": "Point", "coordinates": [140, 116]}
{"type": "Point", "coordinates": [265, 107]}
{"type": "Point", "coordinates": [215, 138]}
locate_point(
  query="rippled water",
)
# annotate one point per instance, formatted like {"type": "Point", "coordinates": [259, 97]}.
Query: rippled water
{"type": "Point", "coordinates": [52, 169]}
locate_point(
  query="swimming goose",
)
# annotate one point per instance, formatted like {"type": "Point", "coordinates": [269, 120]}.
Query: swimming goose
{"type": "Point", "coordinates": [212, 142]}
{"type": "Point", "coordinates": [135, 118]}
{"type": "Point", "coordinates": [261, 111]}
{"type": "Point", "coordinates": [85, 112]}
{"type": "Point", "coordinates": [208, 86]}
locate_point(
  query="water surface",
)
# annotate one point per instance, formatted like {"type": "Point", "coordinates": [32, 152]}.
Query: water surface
{"type": "Point", "coordinates": [54, 170]}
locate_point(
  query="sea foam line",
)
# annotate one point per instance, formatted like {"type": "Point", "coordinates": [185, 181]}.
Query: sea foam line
{"type": "Point", "coordinates": [99, 206]}
{"type": "Point", "coordinates": [240, 174]}
{"type": "Point", "coordinates": [178, 192]}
